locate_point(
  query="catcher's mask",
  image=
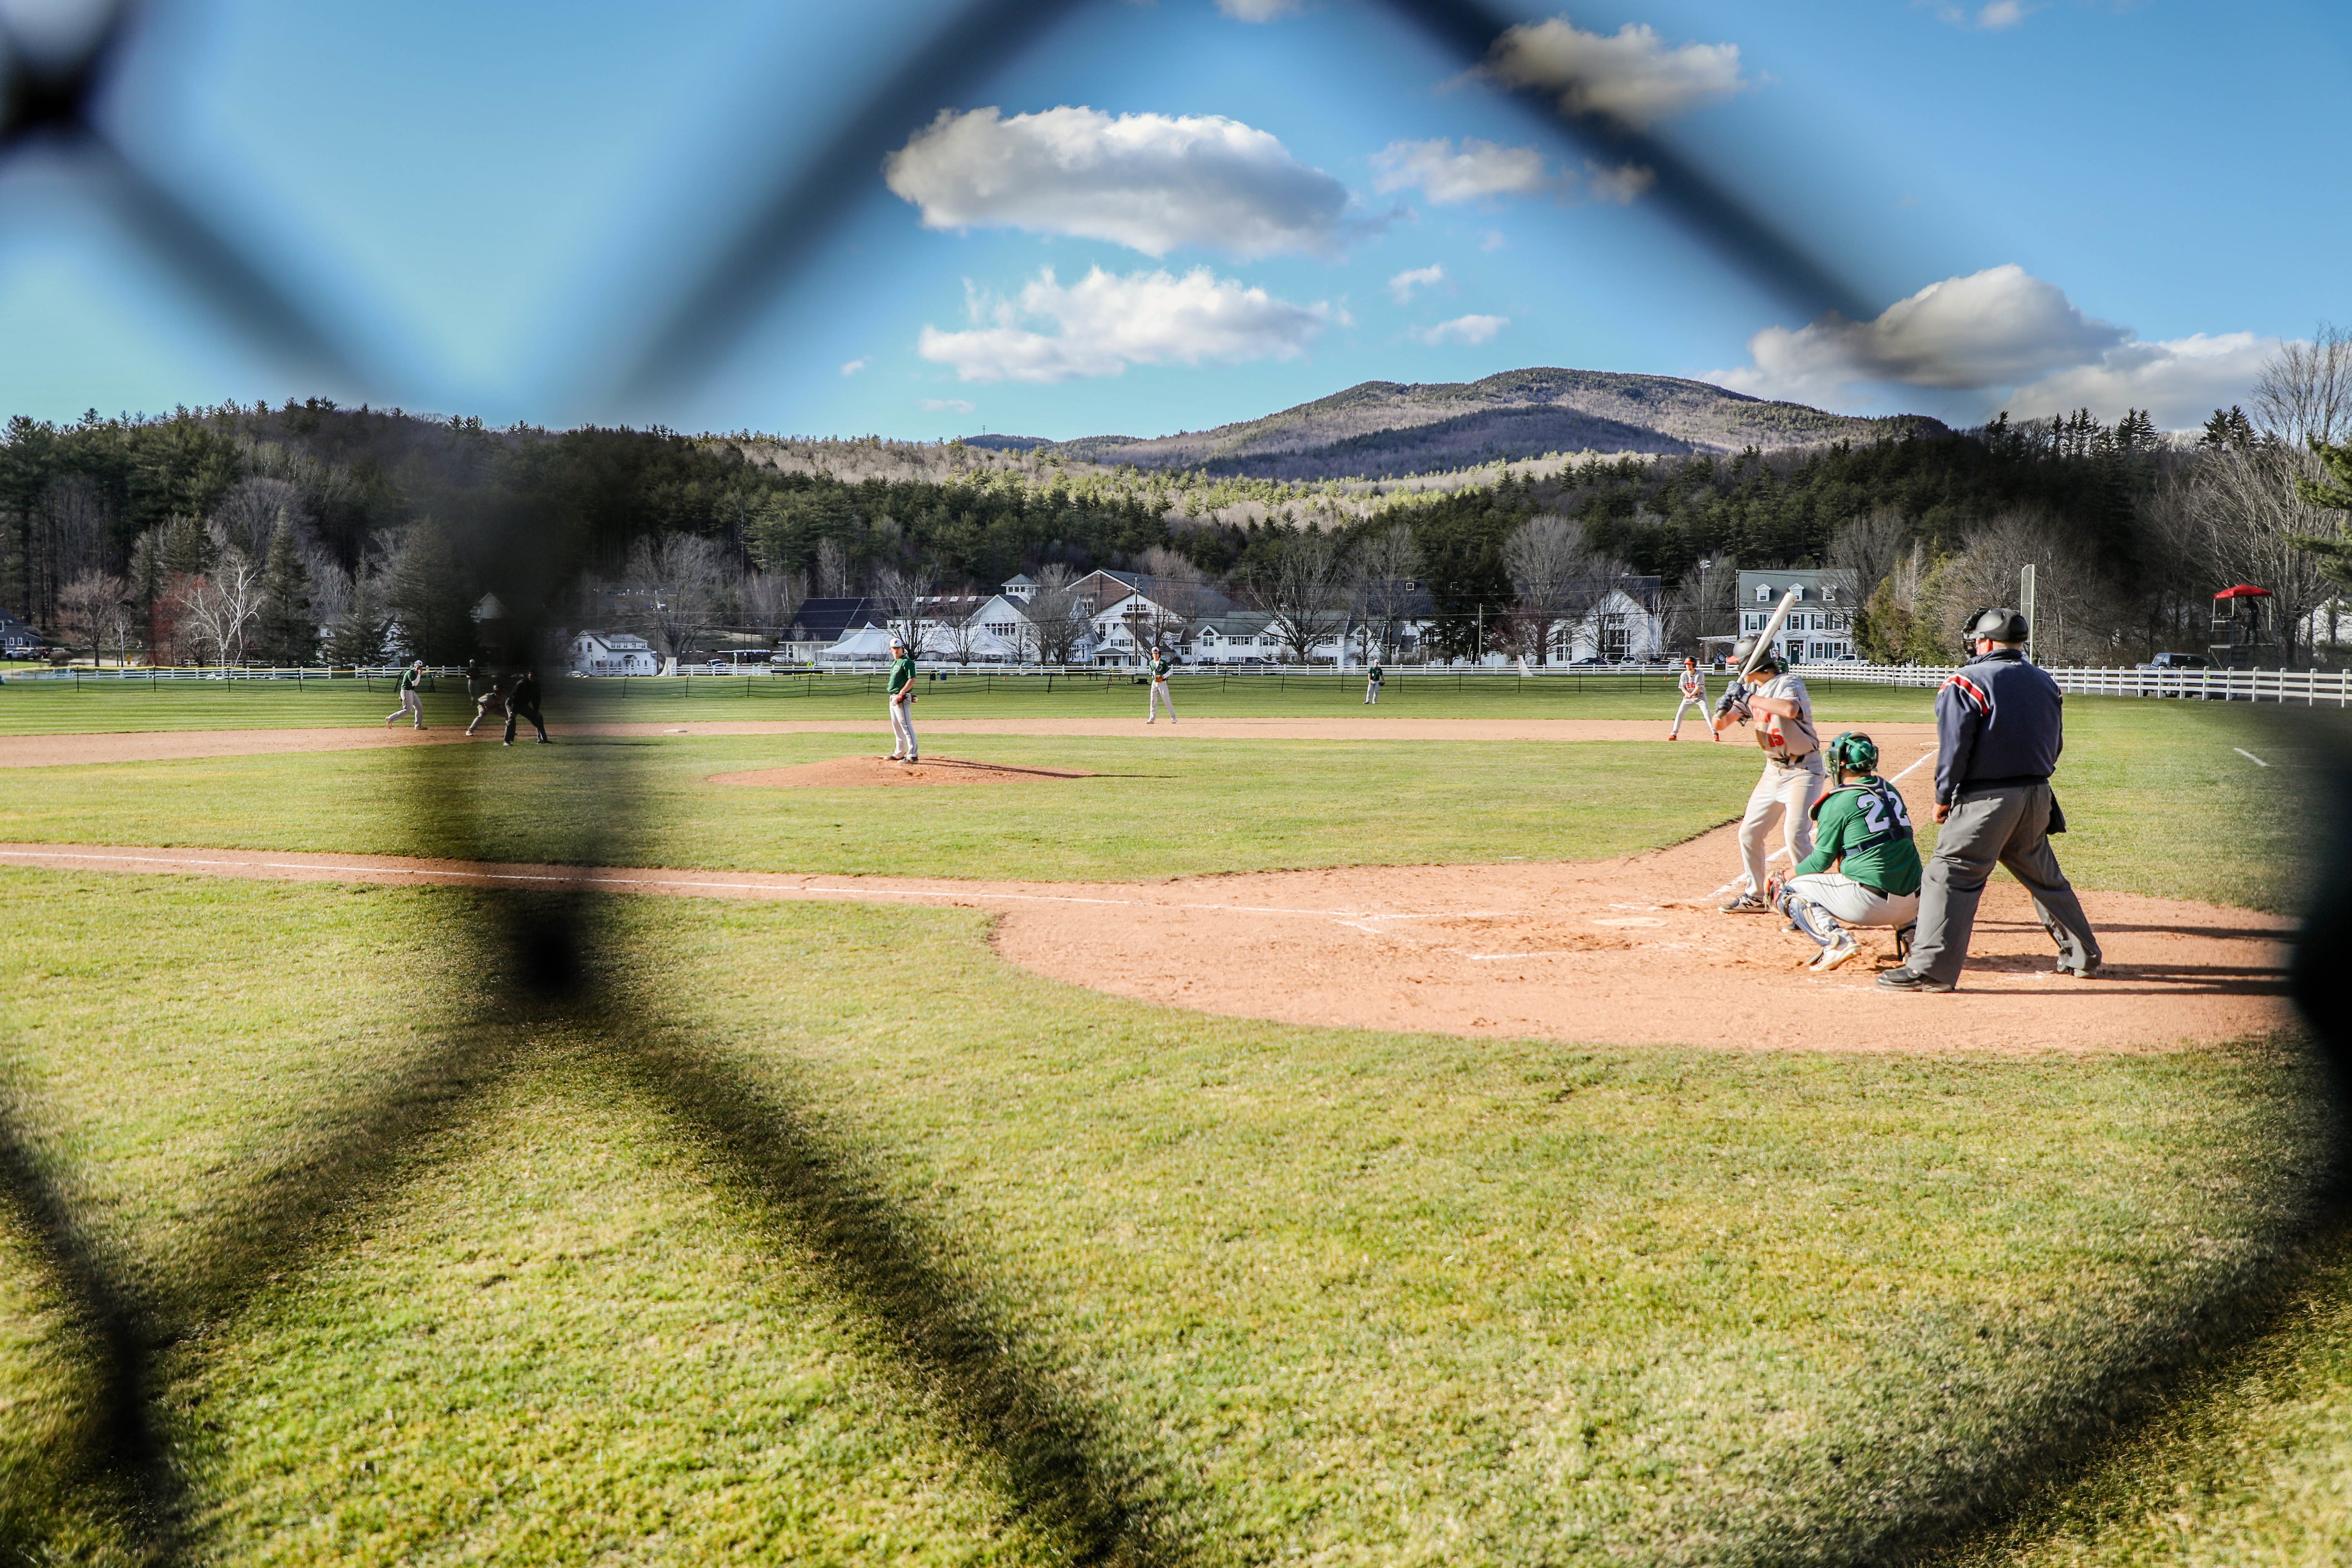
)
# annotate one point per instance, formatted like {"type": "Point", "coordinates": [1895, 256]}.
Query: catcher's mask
{"type": "Point", "coordinates": [1854, 752]}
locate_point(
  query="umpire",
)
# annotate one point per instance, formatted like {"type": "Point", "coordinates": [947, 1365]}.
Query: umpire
{"type": "Point", "coordinates": [1998, 731]}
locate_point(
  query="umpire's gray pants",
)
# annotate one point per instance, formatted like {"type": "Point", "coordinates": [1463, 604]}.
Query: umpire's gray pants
{"type": "Point", "coordinates": [2007, 825]}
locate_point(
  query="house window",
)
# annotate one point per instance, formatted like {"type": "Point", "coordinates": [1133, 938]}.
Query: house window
{"type": "Point", "coordinates": [1763, 593]}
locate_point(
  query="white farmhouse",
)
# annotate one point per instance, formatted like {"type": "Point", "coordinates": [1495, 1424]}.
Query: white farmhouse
{"type": "Point", "coordinates": [612, 653]}
{"type": "Point", "coordinates": [1821, 623]}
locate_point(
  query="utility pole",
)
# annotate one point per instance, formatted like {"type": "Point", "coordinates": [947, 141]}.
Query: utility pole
{"type": "Point", "coordinates": [2025, 608]}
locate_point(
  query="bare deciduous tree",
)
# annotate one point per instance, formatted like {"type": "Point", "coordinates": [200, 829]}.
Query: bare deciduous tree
{"type": "Point", "coordinates": [1388, 569]}
{"type": "Point", "coordinates": [217, 609]}
{"type": "Point", "coordinates": [1555, 576]}
{"type": "Point", "coordinates": [2236, 516]}
{"type": "Point", "coordinates": [673, 583]}
{"type": "Point", "coordinates": [1306, 594]}
{"type": "Point", "coordinates": [1057, 616]}
{"type": "Point", "coordinates": [2305, 392]}
{"type": "Point", "coordinates": [901, 587]}
{"type": "Point", "coordinates": [834, 576]}
{"type": "Point", "coordinates": [252, 509]}
{"type": "Point", "coordinates": [94, 610]}
{"type": "Point", "coordinates": [769, 601]}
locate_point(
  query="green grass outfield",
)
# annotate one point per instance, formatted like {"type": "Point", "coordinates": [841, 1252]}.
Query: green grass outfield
{"type": "Point", "coordinates": [49, 705]}
{"type": "Point", "coordinates": [1331, 1294]}
{"type": "Point", "coordinates": [823, 1236]}
{"type": "Point", "coordinates": [2160, 799]}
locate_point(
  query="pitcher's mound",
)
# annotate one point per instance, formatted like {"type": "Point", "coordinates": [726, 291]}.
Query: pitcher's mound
{"type": "Point", "coordinates": [852, 772]}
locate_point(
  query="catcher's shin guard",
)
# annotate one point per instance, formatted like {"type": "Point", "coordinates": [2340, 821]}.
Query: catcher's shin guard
{"type": "Point", "coordinates": [1810, 918]}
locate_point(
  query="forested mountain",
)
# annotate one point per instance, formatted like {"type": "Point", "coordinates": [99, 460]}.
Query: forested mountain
{"type": "Point", "coordinates": [1385, 430]}
{"type": "Point", "coordinates": [311, 530]}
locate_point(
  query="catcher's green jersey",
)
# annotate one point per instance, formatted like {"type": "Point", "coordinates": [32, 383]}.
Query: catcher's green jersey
{"type": "Point", "coordinates": [1865, 824]}
{"type": "Point", "coordinates": [901, 673]}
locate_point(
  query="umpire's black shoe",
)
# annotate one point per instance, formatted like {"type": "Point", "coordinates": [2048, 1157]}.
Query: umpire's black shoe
{"type": "Point", "coordinates": [1909, 979]}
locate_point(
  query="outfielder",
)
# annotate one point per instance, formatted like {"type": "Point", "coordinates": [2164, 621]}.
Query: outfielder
{"type": "Point", "coordinates": [1864, 868]}
{"type": "Point", "coordinates": [1792, 781]}
{"type": "Point", "coordinates": [412, 699]}
{"type": "Point", "coordinates": [1372, 687]}
{"type": "Point", "coordinates": [902, 704]}
{"type": "Point", "coordinates": [1999, 726]}
{"type": "Point", "coordinates": [1161, 666]}
{"type": "Point", "coordinates": [1694, 687]}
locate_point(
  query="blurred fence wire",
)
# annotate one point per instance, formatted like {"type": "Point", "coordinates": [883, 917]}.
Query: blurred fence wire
{"type": "Point", "coordinates": [553, 953]}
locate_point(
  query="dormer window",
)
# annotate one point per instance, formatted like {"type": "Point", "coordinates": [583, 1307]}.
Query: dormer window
{"type": "Point", "coordinates": [1763, 593]}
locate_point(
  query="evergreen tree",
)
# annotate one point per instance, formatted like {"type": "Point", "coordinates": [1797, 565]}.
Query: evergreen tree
{"type": "Point", "coordinates": [285, 630]}
{"type": "Point", "coordinates": [427, 597]}
{"type": "Point", "coordinates": [357, 636]}
{"type": "Point", "coordinates": [2334, 492]}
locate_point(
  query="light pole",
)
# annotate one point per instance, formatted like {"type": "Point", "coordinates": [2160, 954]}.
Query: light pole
{"type": "Point", "coordinates": [1698, 620]}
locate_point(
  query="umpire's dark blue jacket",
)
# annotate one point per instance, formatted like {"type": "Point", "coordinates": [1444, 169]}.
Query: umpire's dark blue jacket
{"type": "Point", "coordinates": [1996, 721]}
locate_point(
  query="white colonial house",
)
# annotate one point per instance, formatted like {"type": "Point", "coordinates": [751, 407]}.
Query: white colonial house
{"type": "Point", "coordinates": [612, 653]}
{"type": "Point", "coordinates": [1625, 626]}
{"type": "Point", "coordinates": [1821, 623]}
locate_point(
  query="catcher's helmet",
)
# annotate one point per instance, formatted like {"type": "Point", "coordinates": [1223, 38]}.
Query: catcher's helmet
{"type": "Point", "coordinates": [1854, 751]}
{"type": "Point", "coordinates": [2001, 624]}
{"type": "Point", "coordinates": [1746, 648]}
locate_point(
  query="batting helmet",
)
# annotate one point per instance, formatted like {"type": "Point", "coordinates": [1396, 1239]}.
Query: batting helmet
{"type": "Point", "coordinates": [1746, 648]}
{"type": "Point", "coordinates": [1854, 751]}
{"type": "Point", "coordinates": [2002, 625]}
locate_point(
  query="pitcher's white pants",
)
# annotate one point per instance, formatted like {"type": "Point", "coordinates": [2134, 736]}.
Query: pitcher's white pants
{"type": "Point", "coordinates": [1786, 791]}
{"type": "Point", "coordinates": [902, 729]}
{"type": "Point", "coordinates": [1373, 693]}
{"type": "Point", "coordinates": [1160, 693]}
{"type": "Point", "coordinates": [409, 705]}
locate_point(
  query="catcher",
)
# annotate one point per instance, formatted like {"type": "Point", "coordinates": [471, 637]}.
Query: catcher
{"type": "Point", "coordinates": [1864, 868]}
{"type": "Point", "coordinates": [1782, 713]}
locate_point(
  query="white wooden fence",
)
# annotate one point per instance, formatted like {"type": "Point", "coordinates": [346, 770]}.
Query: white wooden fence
{"type": "Point", "coordinates": [2309, 687]}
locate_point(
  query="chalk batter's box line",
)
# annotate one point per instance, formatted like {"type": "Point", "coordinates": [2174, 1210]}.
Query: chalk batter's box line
{"type": "Point", "coordinates": [598, 882]}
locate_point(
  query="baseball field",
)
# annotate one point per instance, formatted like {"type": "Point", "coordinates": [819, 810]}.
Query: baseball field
{"type": "Point", "coordinates": [1310, 1133]}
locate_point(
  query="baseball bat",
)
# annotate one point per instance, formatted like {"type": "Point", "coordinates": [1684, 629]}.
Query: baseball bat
{"type": "Point", "coordinates": [1764, 637]}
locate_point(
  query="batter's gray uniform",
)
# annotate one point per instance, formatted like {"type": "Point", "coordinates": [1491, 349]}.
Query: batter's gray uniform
{"type": "Point", "coordinates": [1792, 781]}
{"type": "Point", "coordinates": [1998, 731]}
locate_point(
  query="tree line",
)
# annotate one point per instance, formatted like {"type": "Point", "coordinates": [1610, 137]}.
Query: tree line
{"type": "Point", "coordinates": [310, 532]}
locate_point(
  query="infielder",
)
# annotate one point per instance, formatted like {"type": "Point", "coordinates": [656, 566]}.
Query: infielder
{"type": "Point", "coordinates": [1792, 779]}
{"type": "Point", "coordinates": [1372, 687]}
{"type": "Point", "coordinates": [1864, 868]}
{"type": "Point", "coordinates": [488, 704]}
{"type": "Point", "coordinates": [1999, 726]}
{"type": "Point", "coordinates": [902, 704]}
{"type": "Point", "coordinates": [412, 699]}
{"type": "Point", "coordinates": [1161, 666]}
{"type": "Point", "coordinates": [1694, 687]}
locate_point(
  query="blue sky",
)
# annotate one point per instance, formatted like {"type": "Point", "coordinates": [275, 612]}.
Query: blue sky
{"type": "Point", "coordinates": [2069, 201]}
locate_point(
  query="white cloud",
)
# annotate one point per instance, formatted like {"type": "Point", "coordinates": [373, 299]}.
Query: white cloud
{"type": "Point", "coordinates": [1631, 75]}
{"type": "Point", "coordinates": [1492, 240]}
{"type": "Point", "coordinates": [1463, 330]}
{"type": "Point", "coordinates": [2001, 337]}
{"type": "Point", "coordinates": [1259, 10]}
{"type": "Point", "coordinates": [1994, 328]}
{"type": "Point", "coordinates": [1103, 323]}
{"type": "Point", "coordinates": [1404, 283]}
{"type": "Point", "coordinates": [2179, 382]}
{"type": "Point", "coordinates": [946, 406]}
{"type": "Point", "coordinates": [1620, 184]}
{"type": "Point", "coordinates": [852, 367]}
{"type": "Point", "coordinates": [1479, 169]}
{"type": "Point", "coordinates": [1996, 17]}
{"type": "Point", "coordinates": [1150, 182]}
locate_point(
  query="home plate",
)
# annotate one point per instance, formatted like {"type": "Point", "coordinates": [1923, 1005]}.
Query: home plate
{"type": "Point", "coordinates": [1629, 920]}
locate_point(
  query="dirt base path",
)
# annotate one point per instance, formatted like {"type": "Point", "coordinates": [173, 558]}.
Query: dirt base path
{"type": "Point", "coordinates": [1628, 950]}
{"type": "Point", "coordinates": [154, 746]}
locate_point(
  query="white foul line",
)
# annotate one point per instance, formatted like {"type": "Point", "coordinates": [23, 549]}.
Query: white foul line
{"type": "Point", "coordinates": [1913, 768]}
{"type": "Point", "coordinates": [2250, 756]}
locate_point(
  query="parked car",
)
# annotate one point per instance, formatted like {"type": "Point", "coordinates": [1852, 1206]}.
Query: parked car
{"type": "Point", "coordinates": [2178, 661]}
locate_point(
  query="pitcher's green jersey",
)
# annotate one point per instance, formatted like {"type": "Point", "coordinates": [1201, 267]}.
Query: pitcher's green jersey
{"type": "Point", "coordinates": [1865, 822]}
{"type": "Point", "coordinates": [901, 673]}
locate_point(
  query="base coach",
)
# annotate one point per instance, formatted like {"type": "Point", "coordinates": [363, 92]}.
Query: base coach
{"type": "Point", "coordinates": [1998, 731]}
